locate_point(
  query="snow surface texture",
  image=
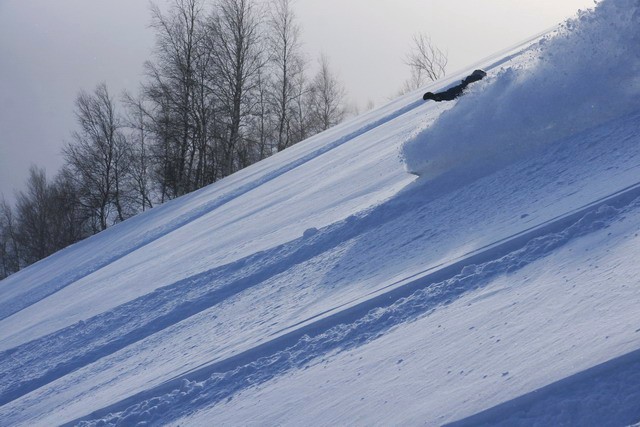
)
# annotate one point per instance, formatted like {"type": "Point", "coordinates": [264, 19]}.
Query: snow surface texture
{"type": "Point", "coordinates": [344, 337]}
{"type": "Point", "coordinates": [586, 74]}
{"type": "Point", "coordinates": [328, 286]}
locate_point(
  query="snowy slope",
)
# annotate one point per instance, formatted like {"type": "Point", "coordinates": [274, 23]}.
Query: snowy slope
{"type": "Point", "coordinates": [326, 285]}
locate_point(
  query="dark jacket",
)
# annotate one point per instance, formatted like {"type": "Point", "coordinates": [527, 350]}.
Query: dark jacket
{"type": "Point", "coordinates": [455, 91]}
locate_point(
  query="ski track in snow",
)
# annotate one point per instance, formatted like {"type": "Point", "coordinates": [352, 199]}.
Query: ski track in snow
{"type": "Point", "coordinates": [187, 394]}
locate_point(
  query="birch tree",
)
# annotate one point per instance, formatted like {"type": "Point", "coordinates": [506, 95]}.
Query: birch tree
{"type": "Point", "coordinates": [326, 98]}
{"type": "Point", "coordinates": [288, 66]}
{"type": "Point", "coordinates": [97, 157]}
{"type": "Point", "coordinates": [234, 39]}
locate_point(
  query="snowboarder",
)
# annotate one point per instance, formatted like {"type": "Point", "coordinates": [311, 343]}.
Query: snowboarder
{"type": "Point", "coordinates": [454, 92]}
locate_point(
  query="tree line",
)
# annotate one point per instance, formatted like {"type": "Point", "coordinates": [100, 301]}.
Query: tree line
{"type": "Point", "coordinates": [228, 85]}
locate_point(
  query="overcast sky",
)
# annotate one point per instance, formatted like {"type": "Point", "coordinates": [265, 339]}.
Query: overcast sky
{"type": "Point", "coordinates": [50, 49]}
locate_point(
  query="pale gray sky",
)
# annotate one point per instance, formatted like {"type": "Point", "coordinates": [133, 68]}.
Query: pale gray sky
{"type": "Point", "coordinates": [50, 49]}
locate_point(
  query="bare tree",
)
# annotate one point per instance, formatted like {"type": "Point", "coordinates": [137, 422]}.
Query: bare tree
{"type": "Point", "coordinates": [326, 98]}
{"type": "Point", "coordinates": [98, 157]}
{"type": "Point", "coordinates": [426, 62]}
{"type": "Point", "coordinates": [234, 39]}
{"type": "Point", "coordinates": [48, 217]}
{"type": "Point", "coordinates": [9, 249]}
{"type": "Point", "coordinates": [288, 66]}
{"type": "Point", "coordinates": [301, 118]}
{"type": "Point", "coordinates": [69, 219]}
{"type": "Point", "coordinates": [206, 120]}
{"type": "Point", "coordinates": [32, 212]}
{"type": "Point", "coordinates": [171, 90]}
{"type": "Point", "coordinates": [261, 134]}
{"type": "Point", "coordinates": [139, 152]}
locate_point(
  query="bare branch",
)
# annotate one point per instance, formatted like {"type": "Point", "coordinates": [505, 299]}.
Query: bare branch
{"type": "Point", "coordinates": [426, 62]}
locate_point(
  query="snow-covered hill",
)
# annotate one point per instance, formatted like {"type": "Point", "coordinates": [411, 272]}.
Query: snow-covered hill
{"type": "Point", "coordinates": [326, 285]}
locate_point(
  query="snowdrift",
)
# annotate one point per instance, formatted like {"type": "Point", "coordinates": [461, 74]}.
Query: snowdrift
{"type": "Point", "coordinates": [580, 77]}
